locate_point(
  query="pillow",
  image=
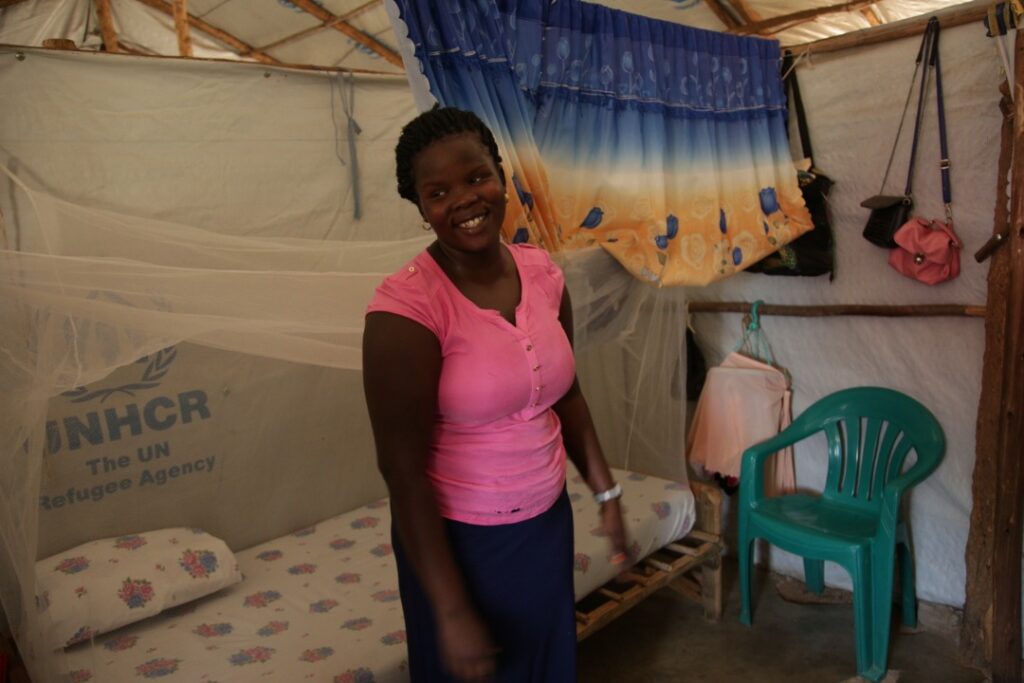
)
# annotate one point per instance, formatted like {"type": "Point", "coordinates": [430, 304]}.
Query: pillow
{"type": "Point", "coordinates": [102, 585]}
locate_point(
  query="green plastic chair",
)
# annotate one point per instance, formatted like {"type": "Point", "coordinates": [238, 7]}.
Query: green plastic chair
{"type": "Point", "coordinates": [856, 522]}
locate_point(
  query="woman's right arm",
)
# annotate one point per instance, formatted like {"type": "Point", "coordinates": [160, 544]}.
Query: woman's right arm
{"type": "Point", "coordinates": [401, 370]}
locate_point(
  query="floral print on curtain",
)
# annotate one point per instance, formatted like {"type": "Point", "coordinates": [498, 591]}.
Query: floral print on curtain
{"type": "Point", "coordinates": [665, 145]}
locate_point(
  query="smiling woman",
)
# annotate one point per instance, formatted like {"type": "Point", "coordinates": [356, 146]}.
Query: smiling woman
{"type": "Point", "coordinates": [471, 387]}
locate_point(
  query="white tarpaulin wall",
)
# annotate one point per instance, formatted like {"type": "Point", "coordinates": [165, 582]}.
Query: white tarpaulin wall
{"type": "Point", "coordinates": [182, 284]}
{"type": "Point", "coordinates": [853, 100]}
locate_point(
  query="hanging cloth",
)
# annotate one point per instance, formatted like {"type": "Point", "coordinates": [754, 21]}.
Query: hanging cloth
{"type": "Point", "coordinates": [745, 400]}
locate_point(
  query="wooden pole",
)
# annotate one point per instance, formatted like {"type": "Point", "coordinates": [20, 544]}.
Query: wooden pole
{"type": "Point", "coordinates": [1006, 547]}
{"type": "Point", "coordinates": [106, 18]}
{"type": "Point", "coordinates": [957, 15]}
{"type": "Point", "coordinates": [871, 15]}
{"type": "Point", "coordinates": [181, 27]}
{"type": "Point", "coordinates": [976, 625]}
{"type": "Point", "coordinates": [221, 35]}
{"type": "Point", "coordinates": [785, 21]}
{"type": "Point", "coordinates": [723, 14]}
{"type": "Point", "coordinates": [817, 311]}
{"type": "Point", "coordinates": [352, 32]}
{"type": "Point", "coordinates": [370, 4]}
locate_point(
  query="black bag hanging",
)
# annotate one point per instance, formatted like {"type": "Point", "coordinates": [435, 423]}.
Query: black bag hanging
{"type": "Point", "coordinates": [811, 253]}
{"type": "Point", "coordinates": [890, 212]}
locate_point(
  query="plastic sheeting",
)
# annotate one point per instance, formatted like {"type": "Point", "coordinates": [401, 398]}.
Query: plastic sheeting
{"type": "Point", "coordinates": [182, 282]}
{"type": "Point", "coordinates": [853, 101]}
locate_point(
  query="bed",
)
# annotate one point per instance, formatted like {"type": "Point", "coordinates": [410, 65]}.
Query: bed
{"type": "Point", "coordinates": [322, 603]}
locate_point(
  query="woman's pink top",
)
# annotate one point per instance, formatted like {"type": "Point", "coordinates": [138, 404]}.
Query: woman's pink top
{"type": "Point", "coordinates": [497, 454]}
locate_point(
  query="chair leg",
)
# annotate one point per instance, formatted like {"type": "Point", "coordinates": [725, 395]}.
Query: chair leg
{"type": "Point", "coordinates": [863, 621]}
{"type": "Point", "coordinates": [881, 582]}
{"type": "Point", "coordinates": [814, 575]}
{"type": "Point", "coordinates": [907, 585]}
{"type": "Point", "coordinates": [745, 558]}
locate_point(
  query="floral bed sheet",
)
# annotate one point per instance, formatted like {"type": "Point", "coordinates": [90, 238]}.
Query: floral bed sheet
{"type": "Point", "coordinates": [322, 604]}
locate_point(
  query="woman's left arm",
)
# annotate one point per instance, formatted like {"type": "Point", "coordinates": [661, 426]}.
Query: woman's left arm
{"type": "Point", "coordinates": [583, 447]}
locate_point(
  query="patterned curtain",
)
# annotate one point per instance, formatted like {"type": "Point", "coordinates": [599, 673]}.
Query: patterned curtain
{"type": "Point", "coordinates": [666, 145]}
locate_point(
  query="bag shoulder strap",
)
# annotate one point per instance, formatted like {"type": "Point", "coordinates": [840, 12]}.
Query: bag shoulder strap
{"type": "Point", "coordinates": [922, 52]}
{"type": "Point", "coordinates": [793, 92]}
{"type": "Point", "coordinates": [947, 187]}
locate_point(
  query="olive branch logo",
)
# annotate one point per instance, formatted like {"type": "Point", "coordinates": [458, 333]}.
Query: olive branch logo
{"type": "Point", "coordinates": [157, 365]}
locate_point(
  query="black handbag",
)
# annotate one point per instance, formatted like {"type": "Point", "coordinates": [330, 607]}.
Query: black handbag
{"type": "Point", "coordinates": [890, 212]}
{"type": "Point", "coordinates": [812, 253]}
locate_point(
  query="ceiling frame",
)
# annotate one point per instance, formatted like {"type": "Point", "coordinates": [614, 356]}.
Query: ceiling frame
{"type": "Point", "coordinates": [364, 39]}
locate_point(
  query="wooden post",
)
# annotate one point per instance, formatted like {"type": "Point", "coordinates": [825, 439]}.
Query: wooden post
{"type": "Point", "coordinates": [106, 18]}
{"type": "Point", "coordinates": [787, 21]}
{"type": "Point", "coordinates": [955, 16]}
{"type": "Point", "coordinates": [976, 626]}
{"type": "Point", "coordinates": [223, 36]}
{"type": "Point", "coordinates": [355, 34]}
{"type": "Point", "coordinates": [1007, 542]}
{"type": "Point", "coordinates": [181, 28]}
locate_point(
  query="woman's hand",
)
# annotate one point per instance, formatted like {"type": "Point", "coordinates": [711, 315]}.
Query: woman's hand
{"type": "Point", "coordinates": [467, 650]}
{"type": "Point", "coordinates": [615, 531]}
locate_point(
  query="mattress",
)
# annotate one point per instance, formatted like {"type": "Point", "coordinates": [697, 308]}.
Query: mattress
{"type": "Point", "coordinates": [322, 603]}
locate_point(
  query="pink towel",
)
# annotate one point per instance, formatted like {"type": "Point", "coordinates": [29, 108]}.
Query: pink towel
{"type": "Point", "coordinates": [744, 401]}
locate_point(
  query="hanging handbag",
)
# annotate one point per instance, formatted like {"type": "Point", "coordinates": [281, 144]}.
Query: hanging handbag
{"type": "Point", "coordinates": [888, 211]}
{"type": "Point", "coordinates": [811, 253]}
{"type": "Point", "coordinates": [929, 250]}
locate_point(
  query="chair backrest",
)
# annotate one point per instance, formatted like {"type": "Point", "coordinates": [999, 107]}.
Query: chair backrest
{"type": "Point", "coordinates": [870, 431]}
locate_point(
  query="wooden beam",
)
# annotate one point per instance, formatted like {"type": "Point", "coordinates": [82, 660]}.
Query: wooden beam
{"type": "Point", "coordinates": [817, 311]}
{"type": "Point", "coordinates": [723, 14]}
{"type": "Point", "coordinates": [871, 15]}
{"type": "Point", "coordinates": [221, 35]}
{"type": "Point", "coordinates": [781, 23]}
{"type": "Point", "coordinates": [955, 16]}
{"type": "Point", "coordinates": [180, 10]}
{"type": "Point", "coordinates": [352, 13]}
{"type": "Point", "coordinates": [976, 625]}
{"type": "Point", "coordinates": [1007, 543]}
{"type": "Point", "coordinates": [352, 32]}
{"type": "Point", "coordinates": [746, 12]}
{"type": "Point", "coordinates": [106, 18]}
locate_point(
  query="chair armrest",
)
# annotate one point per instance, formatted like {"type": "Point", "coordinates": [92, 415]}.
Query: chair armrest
{"type": "Point", "coordinates": [752, 466]}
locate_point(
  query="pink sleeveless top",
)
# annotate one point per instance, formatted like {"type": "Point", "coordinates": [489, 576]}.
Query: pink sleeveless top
{"type": "Point", "coordinates": [497, 455]}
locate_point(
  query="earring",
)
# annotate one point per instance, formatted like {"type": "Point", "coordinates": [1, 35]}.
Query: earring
{"type": "Point", "coordinates": [426, 226]}
{"type": "Point", "coordinates": [506, 196]}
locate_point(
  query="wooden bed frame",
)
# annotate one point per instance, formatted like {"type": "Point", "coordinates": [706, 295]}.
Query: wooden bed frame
{"type": "Point", "coordinates": [692, 566]}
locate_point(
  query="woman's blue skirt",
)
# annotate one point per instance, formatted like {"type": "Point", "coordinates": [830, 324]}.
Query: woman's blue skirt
{"type": "Point", "coordinates": [520, 577]}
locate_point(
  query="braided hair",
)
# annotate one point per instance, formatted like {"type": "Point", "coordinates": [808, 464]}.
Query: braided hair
{"type": "Point", "coordinates": [429, 127]}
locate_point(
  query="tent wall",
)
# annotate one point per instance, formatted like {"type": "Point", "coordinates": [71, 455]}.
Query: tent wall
{"type": "Point", "coordinates": [854, 100]}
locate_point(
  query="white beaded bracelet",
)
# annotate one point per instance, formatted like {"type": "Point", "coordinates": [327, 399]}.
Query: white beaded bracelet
{"type": "Point", "coordinates": [611, 494]}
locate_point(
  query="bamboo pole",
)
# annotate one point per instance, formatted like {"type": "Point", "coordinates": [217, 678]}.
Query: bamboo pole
{"type": "Point", "coordinates": [786, 21]}
{"type": "Point", "coordinates": [181, 28]}
{"type": "Point", "coordinates": [9, 3]}
{"type": "Point", "coordinates": [351, 14]}
{"type": "Point", "coordinates": [955, 16]}
{"type": "Point", "coordinates": [1007, 543]}
{"type": "Point", "coordinates": [817, 311]}
{"type": "Point", "coordinates": [976, 625]}
{"type": "Point", "coordinates": [220, 34]}
{"type": "Point", "coordinates": [352, 32]}
{"type": "Point", "coordinates": [106, 18]}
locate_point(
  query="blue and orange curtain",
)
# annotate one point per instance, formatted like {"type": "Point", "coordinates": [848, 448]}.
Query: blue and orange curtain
{"type": "Point", "coordinates": [664, 144]}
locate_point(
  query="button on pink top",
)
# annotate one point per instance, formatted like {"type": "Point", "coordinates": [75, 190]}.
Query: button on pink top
{"type": "Point", "coordinates": [497, 455]}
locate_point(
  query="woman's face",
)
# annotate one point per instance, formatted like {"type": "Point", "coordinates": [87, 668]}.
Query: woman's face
{"type": "Point", "coordinates": [461, 192]}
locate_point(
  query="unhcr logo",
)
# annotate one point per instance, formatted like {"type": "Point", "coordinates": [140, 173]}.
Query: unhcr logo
{"type": "Point", "coordinates": [111, 424]}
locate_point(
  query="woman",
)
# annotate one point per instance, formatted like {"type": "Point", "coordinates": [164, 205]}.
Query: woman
{"type": "Point", "coordinates": [471, 387]}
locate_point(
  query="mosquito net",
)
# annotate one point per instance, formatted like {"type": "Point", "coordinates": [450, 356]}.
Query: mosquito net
{"type": "Point", "coordinates": [187, 252]}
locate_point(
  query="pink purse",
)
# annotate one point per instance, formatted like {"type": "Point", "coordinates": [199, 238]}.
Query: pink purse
{"type": "Point", "coordinates": [928, 251]}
